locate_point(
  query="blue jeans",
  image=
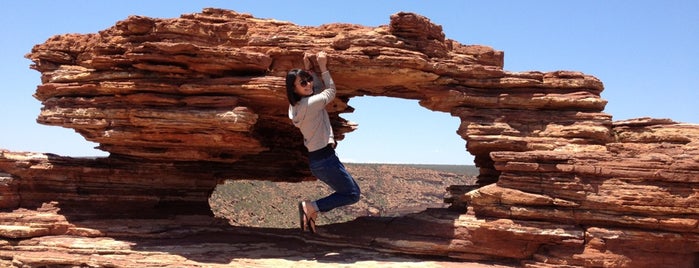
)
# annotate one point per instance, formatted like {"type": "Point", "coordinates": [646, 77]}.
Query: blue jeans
{"type": "Point", "coordinates": [331, 171]}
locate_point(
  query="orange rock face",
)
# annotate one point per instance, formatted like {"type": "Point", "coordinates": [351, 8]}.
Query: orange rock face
{"type": "Point", "coordinates": [181, 104]}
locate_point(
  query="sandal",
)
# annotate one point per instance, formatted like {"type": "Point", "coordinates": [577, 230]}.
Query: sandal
{"type": "Point", "coordinates": [312, 224]}
{"type": "Point", "coordinates": [310, 218]}
{"type": "Point", "coordinates": [303, 218]}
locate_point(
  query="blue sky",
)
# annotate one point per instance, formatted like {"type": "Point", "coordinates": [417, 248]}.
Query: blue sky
{"type": "Point", "coordinates": [645, 53]}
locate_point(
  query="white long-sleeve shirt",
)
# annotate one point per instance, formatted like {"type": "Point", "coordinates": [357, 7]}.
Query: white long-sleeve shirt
{"type": "Point", "coordinates": [310, 116]}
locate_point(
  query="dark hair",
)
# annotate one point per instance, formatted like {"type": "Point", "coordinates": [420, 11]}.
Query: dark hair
{"type": "Point", "coordinates": [291, 86]}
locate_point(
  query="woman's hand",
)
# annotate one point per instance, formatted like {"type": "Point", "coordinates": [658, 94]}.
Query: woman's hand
{"type": "Point", "coordinates": [307, 61]}
{"type": "Point", "coordinates": [322, 59]}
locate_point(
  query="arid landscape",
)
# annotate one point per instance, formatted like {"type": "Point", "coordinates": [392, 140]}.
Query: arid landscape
{"type": "Point", "coordinates": [191, 110]}
{"type": "Point", "coordinates": [387, 190]}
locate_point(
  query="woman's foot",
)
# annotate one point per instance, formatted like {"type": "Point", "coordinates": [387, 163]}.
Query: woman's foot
{"type": "Point", "coordinates": [308, 213]}
{"type": "Point", "coordinates": [303, 218]}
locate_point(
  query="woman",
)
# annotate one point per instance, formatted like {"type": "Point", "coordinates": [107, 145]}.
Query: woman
{"type": "Point", "coordinates": [307, 111]}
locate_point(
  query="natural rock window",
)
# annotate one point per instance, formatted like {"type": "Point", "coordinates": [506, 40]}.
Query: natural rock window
{"type": "Point", "coordinates": [184, 104]}
{"type": "Point", "coordinates": [398, 129]}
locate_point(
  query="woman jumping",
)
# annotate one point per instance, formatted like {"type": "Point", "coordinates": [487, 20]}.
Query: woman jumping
{"type": "Point", "coordinates": [307, 111]}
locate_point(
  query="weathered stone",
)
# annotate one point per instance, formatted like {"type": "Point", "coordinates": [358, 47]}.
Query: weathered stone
{"type": "Point", "coordinates": [182, 104]}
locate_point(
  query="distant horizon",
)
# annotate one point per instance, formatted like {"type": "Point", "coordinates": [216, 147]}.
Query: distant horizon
{"type": "Point", "coordinates": [406, 164]}
{"type": "Point", "coordinates": [344, 162]}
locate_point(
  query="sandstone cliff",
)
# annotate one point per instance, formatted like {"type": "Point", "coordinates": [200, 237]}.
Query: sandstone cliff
{"type": "Point", "coordinates": [183, 104]}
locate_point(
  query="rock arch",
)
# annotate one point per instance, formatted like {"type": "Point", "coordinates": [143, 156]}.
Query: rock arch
{"type": "Point", "coordinates": [183, 103]}
{"type": "Point", "coordinates": [208, 87]}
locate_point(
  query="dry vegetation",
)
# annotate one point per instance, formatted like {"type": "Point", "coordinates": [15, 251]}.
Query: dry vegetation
{"type": "Point", "coordinates": [387, 190]}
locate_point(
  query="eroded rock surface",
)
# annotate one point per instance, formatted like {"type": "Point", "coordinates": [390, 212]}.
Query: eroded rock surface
{"type": "Point", "coordinates": [182, 104]}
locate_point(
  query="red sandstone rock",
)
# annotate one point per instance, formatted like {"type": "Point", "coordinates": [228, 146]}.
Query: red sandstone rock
{"type": "Point", "coordinates": [184, 103]}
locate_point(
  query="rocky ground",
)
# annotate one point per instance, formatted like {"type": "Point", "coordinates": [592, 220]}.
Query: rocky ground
{"type": "Point", "coordinates": [257, 228]}
{"type": "Point", "coordinates": [243, 248]}
{"type": "Point", "coordinates": [196, 242]}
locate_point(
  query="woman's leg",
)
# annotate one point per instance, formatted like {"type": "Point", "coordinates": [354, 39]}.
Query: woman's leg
{"type": "Point", "coordinates": [331, 171]}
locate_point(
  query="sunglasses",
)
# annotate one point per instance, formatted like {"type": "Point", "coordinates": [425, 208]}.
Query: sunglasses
{"type": "Point", "coordinates": [305, 81]}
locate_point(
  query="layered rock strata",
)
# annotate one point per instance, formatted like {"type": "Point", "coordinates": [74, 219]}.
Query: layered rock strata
{"type": "Point", "coordinates": [181, 104]}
